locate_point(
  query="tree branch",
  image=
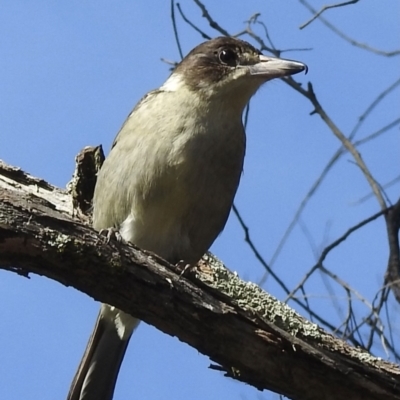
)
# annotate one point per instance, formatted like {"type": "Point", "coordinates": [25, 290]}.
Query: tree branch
{"type": "Point", "coordinates": [252, 336]}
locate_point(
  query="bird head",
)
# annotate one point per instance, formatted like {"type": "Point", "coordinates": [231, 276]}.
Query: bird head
{"type": "Point", "coordinates": [230, 69]}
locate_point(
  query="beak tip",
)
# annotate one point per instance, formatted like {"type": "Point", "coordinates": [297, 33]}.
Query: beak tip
{"type": "Point", "coordinates": [278, 67]}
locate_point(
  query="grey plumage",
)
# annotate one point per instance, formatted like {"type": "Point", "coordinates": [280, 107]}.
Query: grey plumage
{"type": "Point", "coordinates": [169, 181]}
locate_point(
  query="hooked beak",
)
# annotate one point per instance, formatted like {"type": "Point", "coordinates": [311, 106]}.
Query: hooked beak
{"type": "Point", "coordinates": [272, 67]}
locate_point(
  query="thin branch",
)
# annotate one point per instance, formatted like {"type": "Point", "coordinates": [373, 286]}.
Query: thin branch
{"type": "Point", "coordinates": [324, 8]}
{"type": "Point", "coordinates": [212, 22]}
{"type": "Point", "coordinates": [178, 43]}
{"type": "Point", "coordinates": [254, 20]}
{"type": "Point", "coordinates": [348, 38]}
{"type": "Point", "coordinates": [378, 133]}
{"type": "Point", "coordinates": [310, 94]}
{"type": "Point", "coordinates": [371, 107]}
{"type": "Point", "coordinates": [334, 244]}
{"type": "Point", "coordinates": [392, 276]}
{"type": "Point", "coordinates": [335, 299]}
{"type": "Point", "coordinates": [304, 203]}
{"type": "Point", "coordinates": [191, 24]}
{"type": "Point", "coordinates": [390, 328]}
{"type": "Point", "coordinates": [374, 319]}
{"type": "Point", "coordinates": [252, 246]}
{"type": "Point", "coordinates": [384, 186]}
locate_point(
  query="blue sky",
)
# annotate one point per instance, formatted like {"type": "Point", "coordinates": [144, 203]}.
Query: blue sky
{"type": "Point", "coordinates": [70, 72]}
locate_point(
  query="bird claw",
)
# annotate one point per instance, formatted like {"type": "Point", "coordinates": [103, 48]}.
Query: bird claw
{"type": "Point", "coordinates": [184, 266]}
{"type": "Point", "coordinates": [111, 233]}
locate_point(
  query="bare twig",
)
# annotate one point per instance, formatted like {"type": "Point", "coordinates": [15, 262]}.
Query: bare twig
{"type": "Point", "coordinates": [379, 132]}
{"type": "Point", "coordinates": [191, 24]}
{"type": "Point", "coordinates": [384, 186]}
{"type": "Point", "coordinates": [259, 257]}
{"type": "Point", "coordinates": [334, 244]}
{"type": "Point", "coordinates": [318, 109]}
{"type": "Point", "coordinates": [372, 106]}
{"type": "Point", "coordinates": [324, 8]}
{"type": "Point", "coordinates": [392, 276]}
{"type": "Point", "coordinates": [178, 43]}
{"type": "Point", "coordinates": [212, 22]}
{"type": "Point", "coordinates": [348, 38]}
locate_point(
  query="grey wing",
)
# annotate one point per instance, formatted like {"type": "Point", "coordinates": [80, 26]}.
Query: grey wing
{"type": "Point", "coordinates": [217, 180]}
{"type": "Point", "coordinates": [118, 181]}
{"type": "Point", "coordinates": [147, 97]}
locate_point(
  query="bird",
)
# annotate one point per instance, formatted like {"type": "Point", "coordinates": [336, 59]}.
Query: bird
{"type": "Point", "coordinates": [169, 181]}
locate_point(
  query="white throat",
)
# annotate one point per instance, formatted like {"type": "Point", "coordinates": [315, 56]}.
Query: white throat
{"type": "Point", "coordinates": [173, 83]}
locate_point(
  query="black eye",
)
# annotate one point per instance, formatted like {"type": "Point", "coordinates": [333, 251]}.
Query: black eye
{"type": "Point", "coordinates": [228, 57]}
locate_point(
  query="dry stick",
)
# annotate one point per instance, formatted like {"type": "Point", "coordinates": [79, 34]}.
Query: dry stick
{"type": "Point", "coordinates": [345, 286]}
{"type": "Point", "coordinates": [248, 31]}
{"type": "Point", "coordinates": [394, 249]}
{"type": "Point", "coordinates": [207, 16]}
{"type": "Point", "coordinates": [373, 312]}
{"type": "Point", "coordinates": [392, 277]}
{"type": "Point", "coordinates": [348, 38]}
{"type": "Point", "coordinates": [307, 304]}
{"type": "Point", "coordinates": [252, 246]}
{"type": "Point", "coordinates": [372, 322]}
{"type": "Point", "coordinates": [178, 43]}
{"type": "Point", "coordinates": [335, 299]}
{"type": "Point", "coordinates": [349, 291]}
{"type": "Point", "coordinates": [377, 133]}
{"type": "Point", "coordinates": [324, 8]}
{"type": "Point", "coordinates": [272, 50]}
{"type": "Point", "coordinates": [334, 244]}
{"type": "Point", "coordinates": [311, 242]}
{"type": "Point", "coordinates": [390, 329]}
{"type": "Point", "coordinates": [310, 94]}
{"type": "Point", "coordinates": [191, 24]}
{"type": "Point", "coordinates": [302, 206]}
{"type": "Point", "coordinates": [371, 107]}
{"type": "Point", "coordinates": [326, 282]}
{"type": "Point", "coordinates": [372, 319]}
{"type": "Point", "coordinates": [348, 319]}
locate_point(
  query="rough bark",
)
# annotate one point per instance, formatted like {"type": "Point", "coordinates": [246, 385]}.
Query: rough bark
{"type": "Point", "coordinates": [250, 335]}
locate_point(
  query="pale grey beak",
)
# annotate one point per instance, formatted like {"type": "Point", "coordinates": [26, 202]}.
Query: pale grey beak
{"type": "Point", "coordinates": [272, 67]}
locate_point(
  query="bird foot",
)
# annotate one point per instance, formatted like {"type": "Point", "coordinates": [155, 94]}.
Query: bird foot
{"type": "Point", "coordinates": [111, 233]}
{"type": "Point", "coordinates": [184, 267]}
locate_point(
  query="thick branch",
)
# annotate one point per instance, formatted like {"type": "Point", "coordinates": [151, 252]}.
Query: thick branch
{"type": "Point", "coordinates": [252, 336]}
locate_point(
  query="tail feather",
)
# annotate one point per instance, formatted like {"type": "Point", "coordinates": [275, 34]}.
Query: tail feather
{"type": "Point", "coordinates": [97, 373]}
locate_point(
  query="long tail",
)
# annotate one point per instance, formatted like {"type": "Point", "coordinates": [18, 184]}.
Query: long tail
{"type": "Point", "coordinates": [97, 373]}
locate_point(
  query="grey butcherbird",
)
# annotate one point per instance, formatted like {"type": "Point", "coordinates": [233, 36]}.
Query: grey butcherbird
{"type": "Point", "coordinates": [169, 181]}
